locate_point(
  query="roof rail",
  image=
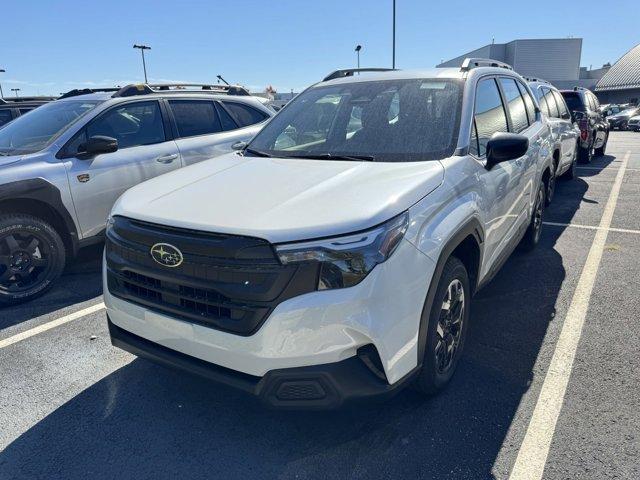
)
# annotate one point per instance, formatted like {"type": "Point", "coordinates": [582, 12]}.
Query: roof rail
{"type": "Point", "coordinates": [132, 90]}
{"type": "Point", "coordinates": [85, 91]}
{"type": "Point", "coordinates": [348, 72]}
{"type": "Point", "coordinates": [202, 87]}
{"type": "Point", "coordinates": [470, 63]}
{"type": "Point", "coordinates": [531, 79]}
{"type": "Point", "coordinates": [42, 98]}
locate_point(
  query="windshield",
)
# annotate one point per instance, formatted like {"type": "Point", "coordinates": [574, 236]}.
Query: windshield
{"type": "Point", "coordinates": [629, 112]}
{"type": "Point", "coordinates": [383, 121]}
{"type": "Point", "coordinates": [34, 131]}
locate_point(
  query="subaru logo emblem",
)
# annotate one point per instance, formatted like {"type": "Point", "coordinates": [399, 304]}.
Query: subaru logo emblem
{"type": "Point", "coordinates": [166, 255]}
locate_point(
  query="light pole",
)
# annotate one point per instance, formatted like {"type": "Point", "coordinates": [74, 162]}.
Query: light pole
{"type": "Point", "coordinates": [393, 58]}
{"type": "Point", "coordinates": [15, 90]}
{"type": "Point", "coordinates": [2, 70]}
{"type": "Point", "coordinates": [358, 48]}
{"type": "Point", "coordinates": [144, 65]}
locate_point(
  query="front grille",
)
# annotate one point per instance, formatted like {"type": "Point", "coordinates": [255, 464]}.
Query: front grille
{"type": "Point", "coordinates": [230, 283]}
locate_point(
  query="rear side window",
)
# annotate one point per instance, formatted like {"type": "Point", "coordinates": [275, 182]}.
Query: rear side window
{"type": "Point", "coordinates": [5, 116]}
{"type": "Point", "coordinates": [25, 110]}
{"type": "Point", "coordinates": [195, 117]}
{"type": "Point", "coordinates": [528, 101]}
{"type": "Point", "coordinates": [131, 124]}
{"type": "Point", "coordinates": [489, 116]}
{"type": "Point", "coordinates": [515, 105]}
{"type": "Point", "coordinates": [551, 102]}
{"type": "Point", "coordinates": [562, 107]}
{"type": "Point", "coordinates": [244, 115]}
{"type": "Point", "coordinates": [225, 119]}
{"type": "Point", "coordinates": [594, 100]}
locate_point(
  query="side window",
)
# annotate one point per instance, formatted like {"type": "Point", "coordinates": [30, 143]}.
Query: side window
{"type": "Point", "coordinates": [225, 119]}
{"type": "Point", "coordinates": [244, 115]}
{"type": "Point", "coordinates": [489, 114]}
{"type": "Point", "coordinates": [515, 104]}
{"type": "Point", "coordinates": [551, 101]}
{"type": "Point", "coordinates": [528, 101]}
{"type": "Point", "coordinates": [474, 148]}
{"type": "Point", "coordinates": [544, 106]}
{"type": "Point", "coordinates": [5, 116]}
{"type": "Point", "coordinates": [195, 117]}
{"type": "Point", "coordinates": [596, 103]}
{"type": "Point", "coordinates": [131, 124]}
{"type": "Point", "coordinates": [562, 107]}
{"type": "Point", "coordinates": [25, 110]}
{"type": "Point", "coordinates": [589, 101]}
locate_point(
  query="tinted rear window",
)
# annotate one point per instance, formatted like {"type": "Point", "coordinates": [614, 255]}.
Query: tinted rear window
{"type": "Point", "coordinates": [195, 117]}
{"type": "Point", "coordinates": [574, 102]}
{"type": "Point", "coordinates": [244, 115]}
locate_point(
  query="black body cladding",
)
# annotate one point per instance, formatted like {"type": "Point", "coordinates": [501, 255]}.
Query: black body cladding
{"type": "Point", "coordinates": [227, 282]}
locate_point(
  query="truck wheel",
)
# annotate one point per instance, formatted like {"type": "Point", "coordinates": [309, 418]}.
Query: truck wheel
{"type": "Point", "coordinates": [32, 257]}
{"type": "Point", "coordinates": [447, 327]}
{"type": "Point", "coordinates": [532, 235]}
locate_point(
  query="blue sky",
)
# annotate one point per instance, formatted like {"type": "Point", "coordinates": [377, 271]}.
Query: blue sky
{"type": "Point", "coordinates": [70, 43]}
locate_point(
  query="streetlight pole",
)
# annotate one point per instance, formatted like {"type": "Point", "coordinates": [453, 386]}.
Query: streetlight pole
{"type": "Point", "coordinates": [358, 48]}
{"type": "Point", "coordinates": [393, 59]}
{"type": "Point", "coordinates": [144, 65]}
{"type": "Point", "coordinates": [15, 90]}
{"type": "Point", "coordinates": [1, 94]}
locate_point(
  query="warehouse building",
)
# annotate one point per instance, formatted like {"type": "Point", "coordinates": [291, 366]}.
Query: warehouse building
{"type": "Point", "coordinates": [621, 84]}
{"type": "Point", "coordinates": [554, 59]}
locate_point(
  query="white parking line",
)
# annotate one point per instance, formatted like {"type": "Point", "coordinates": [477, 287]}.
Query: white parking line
{"type": "Point", "coordinates": [49, 325]}
{"type": "Point", "coordinates": [591, 227]}
{"type": "Point", "coordinates": [532, 456]}
{"type": "Point", "coordinates": [606, 167]}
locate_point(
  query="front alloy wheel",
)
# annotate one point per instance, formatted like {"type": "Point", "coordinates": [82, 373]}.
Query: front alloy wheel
{"type": "Point", "coordinates": [449, 327]}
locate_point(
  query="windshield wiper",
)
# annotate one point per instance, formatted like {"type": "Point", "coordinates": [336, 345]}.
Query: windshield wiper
{"type": "Point", "coordinates": [255, 153]}
{"type": "Point", "coordinates": [331, 156]}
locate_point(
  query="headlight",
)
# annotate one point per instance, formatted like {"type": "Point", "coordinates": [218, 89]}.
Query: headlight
{"type": "Point", "coordinates": [345, 261]}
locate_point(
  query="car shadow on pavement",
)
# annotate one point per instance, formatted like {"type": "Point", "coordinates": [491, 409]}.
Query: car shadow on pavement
{"type": "Point", "coordinates": [80, 281]}
{"type": "Point", "coordinates": [145, 421]}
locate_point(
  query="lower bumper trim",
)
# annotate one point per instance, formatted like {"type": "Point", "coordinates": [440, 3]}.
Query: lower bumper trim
{"type": "Point", "coordinates": [324, 386]}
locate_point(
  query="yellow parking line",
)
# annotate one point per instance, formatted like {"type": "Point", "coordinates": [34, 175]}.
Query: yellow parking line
{"type": "Point", "coordinates": [49, 325]}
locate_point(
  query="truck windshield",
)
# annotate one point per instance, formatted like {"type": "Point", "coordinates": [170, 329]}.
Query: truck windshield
{"type": "Point", "coordinates": [384, 121]}
{"type": "Point", "coordinates": [36, 130]}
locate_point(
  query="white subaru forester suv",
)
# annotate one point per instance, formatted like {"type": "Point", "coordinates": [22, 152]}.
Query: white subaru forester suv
{"type": "Point", "coordinates": [335, 256]}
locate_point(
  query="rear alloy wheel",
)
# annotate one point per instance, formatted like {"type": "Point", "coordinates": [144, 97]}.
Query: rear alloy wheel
{"type": "Point", "coordinates": [599, 152]}
{"type": "Point", "coordinates": [446, 328]}
{"type": "Point", "coordinates": [571, 173]}
{"type": "Point", "coordinates": [532, 235]}
{"type": "Point", "coordinates": [32, 256]}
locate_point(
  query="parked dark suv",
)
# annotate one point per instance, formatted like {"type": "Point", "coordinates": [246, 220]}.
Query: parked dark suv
{"type": "Point", "coordinates": [594, 129]}
{"type": "Point", "coordinates": [11, 108]}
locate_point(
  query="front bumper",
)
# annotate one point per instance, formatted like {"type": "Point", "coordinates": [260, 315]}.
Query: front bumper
{"type": "Point", "coordinates": [313, 387]}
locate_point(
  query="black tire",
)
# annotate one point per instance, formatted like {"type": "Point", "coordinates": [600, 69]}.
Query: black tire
{"type": "Point", "coordinates": [551, 189]}
{"type": "Point", "coordinates": [532, 235]}
{"type": "Point", "coordinates": [443, 330]}
{"type": "Point", "coordinates": [571, 173]}
{"type": "Point", "coordinates": [32, 257]}
{"type": "Point", "coordinates": [585, 154]}
{"type": "Point", "coordinates": [599, 152]}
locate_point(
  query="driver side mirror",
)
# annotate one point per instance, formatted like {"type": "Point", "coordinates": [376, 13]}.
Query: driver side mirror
{"type": "Point", "coordinates": [503, 147]}
{"type": "Point", "coordinates": [98, 144]}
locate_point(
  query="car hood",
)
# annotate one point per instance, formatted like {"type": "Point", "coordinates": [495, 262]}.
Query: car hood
{"type": "Point", "coordinates": [280, 200]}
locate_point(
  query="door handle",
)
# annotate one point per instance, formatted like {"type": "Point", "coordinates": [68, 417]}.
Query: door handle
{"type": "Point", "coordinates": [167, 158]}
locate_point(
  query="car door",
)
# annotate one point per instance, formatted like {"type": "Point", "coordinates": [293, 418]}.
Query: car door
{"type": "Point", "coordinates": [145, 150]}
{"type": "Point", "coordinates": [568, 132]}
{"type": "Point", "coordinates": [205, 129]}
{"type": "Point", "coordinates": [502, 183]}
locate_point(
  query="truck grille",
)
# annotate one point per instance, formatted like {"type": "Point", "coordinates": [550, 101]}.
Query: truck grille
{"type": "Point", "coordinates": [231, 283]}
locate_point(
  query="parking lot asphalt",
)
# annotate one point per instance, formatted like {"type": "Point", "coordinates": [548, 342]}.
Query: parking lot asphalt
{"type": "Point", "coordinates": [72, 406]}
